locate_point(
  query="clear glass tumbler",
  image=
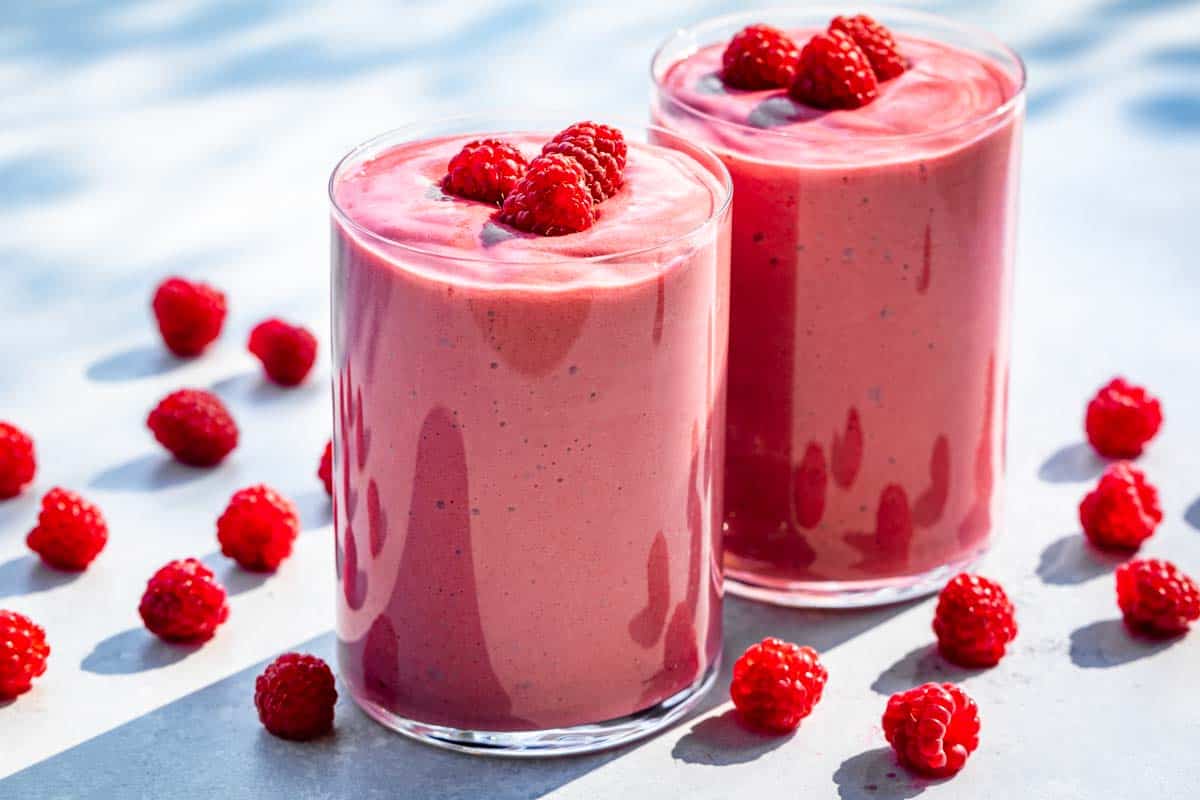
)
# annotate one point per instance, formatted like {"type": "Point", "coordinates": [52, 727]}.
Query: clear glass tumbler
{"type": "Point", "coordinates": [527, 449]}
{"type": "Point", "coordinates": [870, 308]}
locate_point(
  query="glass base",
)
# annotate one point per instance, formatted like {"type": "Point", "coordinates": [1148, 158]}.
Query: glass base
{"type": "Point", "coordinates": [553, 741]}
{"type": "Point", "coordinates": [845, 594]}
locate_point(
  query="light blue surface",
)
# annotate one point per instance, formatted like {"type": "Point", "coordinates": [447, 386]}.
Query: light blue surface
{"type": "Point", "coordinates": [139, 139]}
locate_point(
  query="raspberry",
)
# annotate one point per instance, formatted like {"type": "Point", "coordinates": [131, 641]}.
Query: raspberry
{"type": "Point", "coordinates": [1121, 418]}
{"type": "Point", "coordinates": [70, 531]}
{"type": "Point", "coordinates": [776, 684]}
{"type": "Point", "coordinates": [325, 470]}
{"type": "Point", "coordinates": [17, 460]}
{"type": "Point", "coordinates": [295, 696]}
{"type": "Point", "coordinates": [759, 57]}
{"type": "Point", "coordinates": [190, 315]}
{"type": "Point", "coordinates": [552, 199]}
{"type": "Point", "coordinates": [258, 528]}
{"type": "Point", "coordinates": [933, 728]}
{"type": "Point", "coordinates": [1122, 511]}
{"type": "Point", "coordinates": [1156, 598]}
{"type": "Point", "coordinates": [23, 653]}
{"type": "Point", "coordinates": [974, 621]}
{"type": "Point", "coordinates": [183, 602]}
{"type": "Point", "coordinates": [486, 169]}
{"type": "Point", "coordinates": [194, 426]}
{"type": "Point", "coordinates": [599, 149]}
{"type": "Point", "coordinates": [834, 73]}
{"type": "Point", "coordinates": [875, 41]}
{"type": "Point", "coordinates": [287, 352]}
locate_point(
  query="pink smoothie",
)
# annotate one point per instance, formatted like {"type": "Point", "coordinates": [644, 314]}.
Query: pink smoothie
{"type": "Point", "coordinates": [869, 327]}
{"type": "Point", "coordinates": [528, 445]}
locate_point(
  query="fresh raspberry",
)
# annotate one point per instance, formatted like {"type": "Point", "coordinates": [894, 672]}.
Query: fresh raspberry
{"type": "Point", "coordinates": [974, 621]}
{"type": "Point", "coordinates": [1121, 418]}
{"type": "Point", "coordinates": [933, 728]}
{"type": "Point", "coordinates": [776, 684]}
{"type": "Point", "coordinates": [1122, 511]}
{"type": "Point", "coordinates": [258, 528]}
{"type": "Point", "coordinates": [1156, 598]}
{"type": "Point", "coordinates": [552, 199]}
{"type": "Point", "coordinates": [17, 460]}
{"type": "Point", "coordinates": [486, 169]}
{"type": "Point", "coordinates": [875, 41]}
{"type": "Point", "coordinates": [70, 531]}
{"type": "Point", "coordinates": [183, 602]}
{"type": "Point", "coordinates": [295, 696]}
{"type": "Point", "coordinates": [760, 57]}
{"type": "Point", "coordinates": [194, 426]}
{"type": "Point", "coordinates": [287, 352]}
{"type": "Point", "coordinates": [834, 73]}
{"type": "Point", "coordinates": [325, 470]}
{"type": "Point", "coordinates": [23, 653]}
{"type": "Point", "coordinates": [599, 149]}
{"type": "Point", "coordinates": [190, 315]}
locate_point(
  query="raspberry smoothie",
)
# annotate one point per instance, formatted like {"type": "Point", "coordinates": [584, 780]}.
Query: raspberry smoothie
{"type": "Point", "coordinates": [869, 328]}
{"type": "Point", "coordinates": [528, 447]}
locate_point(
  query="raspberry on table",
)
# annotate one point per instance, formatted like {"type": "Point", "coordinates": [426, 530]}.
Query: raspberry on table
{"type": "Point", "coordinates": [325, 470]}
{"type": "Point", "coordinates": [599, 149]}
{"type": "Point", "coordinates": [190, 315]}
{"type": "Point", "coordinates": [933, 728]}
{"type": "Point", "coordinates": [1156, 597]}
{"type": "Point", "coordinates": [295, 696]}
{"type": "Point", "coordinates": [1121, 419]}
{"type": "Point", "coordinates": [287, 352]}
{"type": "Point", "coordinates": [70, 531]}
{"type": "Point", "coordinates": [486, 170]}
{"type": "Point", "coordinates": [875, 41]}
{"type": "Point", "coordinates": [552, 199]}
{"type": "Point", "coordinates": [834, 73]}
{"type": "Point", "coordinates": [759, 57]}
{"type": "Point", "coordinates": [18, 462]}
{"type": "Point", "coordinates": [183, 602]}
{"type": "Point", "coordinates": [23, 653]}
{"type": "Point", "coordinates": [776, 684]}
{"type": "Point", "coordinates": [1122, 511]}
{"type": "Point", "coordinates": [258, 528]}
{"type": "Point", "coordinates": [974, 621]}
{"type": "Point", "coordinates": [194, 426]}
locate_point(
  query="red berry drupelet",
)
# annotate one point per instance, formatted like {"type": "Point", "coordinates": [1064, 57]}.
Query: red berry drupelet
{"type": "Point", "coordinates": [1156, 598]}
{"type": "Point", "coordinates": [552, 199]}
{"type": "Point", "coordinates": [933, 728]}
{"type": "Point", "coordinates": [485, 170]}
{"type": "Point", "coordinates": [70, 531]}
{"type": "Point", "coordinates": [325, 469]}
{"type": "Point", "coordinates": [295, 697]}
{"type": "Point", "coordinates": [834, 73]}
{"type": "Point", "coordinates": [974, 621]}
{"type": "Point", "coordinates": [258, 528]}
{"type": "Point", "coordinates": [875, 41]}
{"type": "Point", "coordinates": [190, 315]}
{"type": "Point", "coordinates": [23, 653]}
{"type": "Point", "coordinates": [17, 460]}
{"type": "Point", "coordinates": [599, 149]}
{"type": "Point", "coordinates": [776, 684]}
{"type": "Point", "coordinates": [1122, 511]}
{"type": "Point", "coordinates": [183, 602]}
{"type": "Point", "coordinates": [287, 352]}
{"type": "Point", "coordinates": [760, 57]}
{"type": "Point", "coordinates": [1121, 419]}
{"type": "Point", "coordinates": [194, 426]}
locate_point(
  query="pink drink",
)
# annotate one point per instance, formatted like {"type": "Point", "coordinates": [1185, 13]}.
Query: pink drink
{"type": "Point", "coordinates": [528, 447]}
{"type": "Point", "coordinates": [869, 327]}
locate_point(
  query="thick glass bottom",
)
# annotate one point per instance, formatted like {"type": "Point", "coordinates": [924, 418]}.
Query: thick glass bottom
{"type": "Point", "coordinates": [844, 594]}
{"type": "Point", "coordinates": [553, 741]}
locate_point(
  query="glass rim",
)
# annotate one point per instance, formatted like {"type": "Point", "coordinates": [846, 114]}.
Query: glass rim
{"type": "Point", "coordinates": [408, 133]}
{"type": "Point", "coordinates": [877, 11]}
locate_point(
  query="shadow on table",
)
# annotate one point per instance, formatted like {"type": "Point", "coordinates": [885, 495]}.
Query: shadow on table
{"type": "Point", "coordinates": [144, 361]}
{"type": "Point", "coordinates": [722, 740]}
{"type": "Point", "coordinates": [254, 389]}
{"type": "Point", "coordinates": [1073, 463]}
{"type": "Point", "coordinates": [25, 575]}
{"type": "Point", "coordinates": [875, 775]}
{"type": "Point", "coordinates": [1070, 561]}
{"type": "Point", "coordinates": [920, 665]}
{"type": "Point", "coordinates": [1192, 514]}
{"type": "Point", "coordinates": [132, 651]}
{"type": "Point", "coordinates": [147, 473]}
{"type": "Point", "coordinates": [1108, 643]}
